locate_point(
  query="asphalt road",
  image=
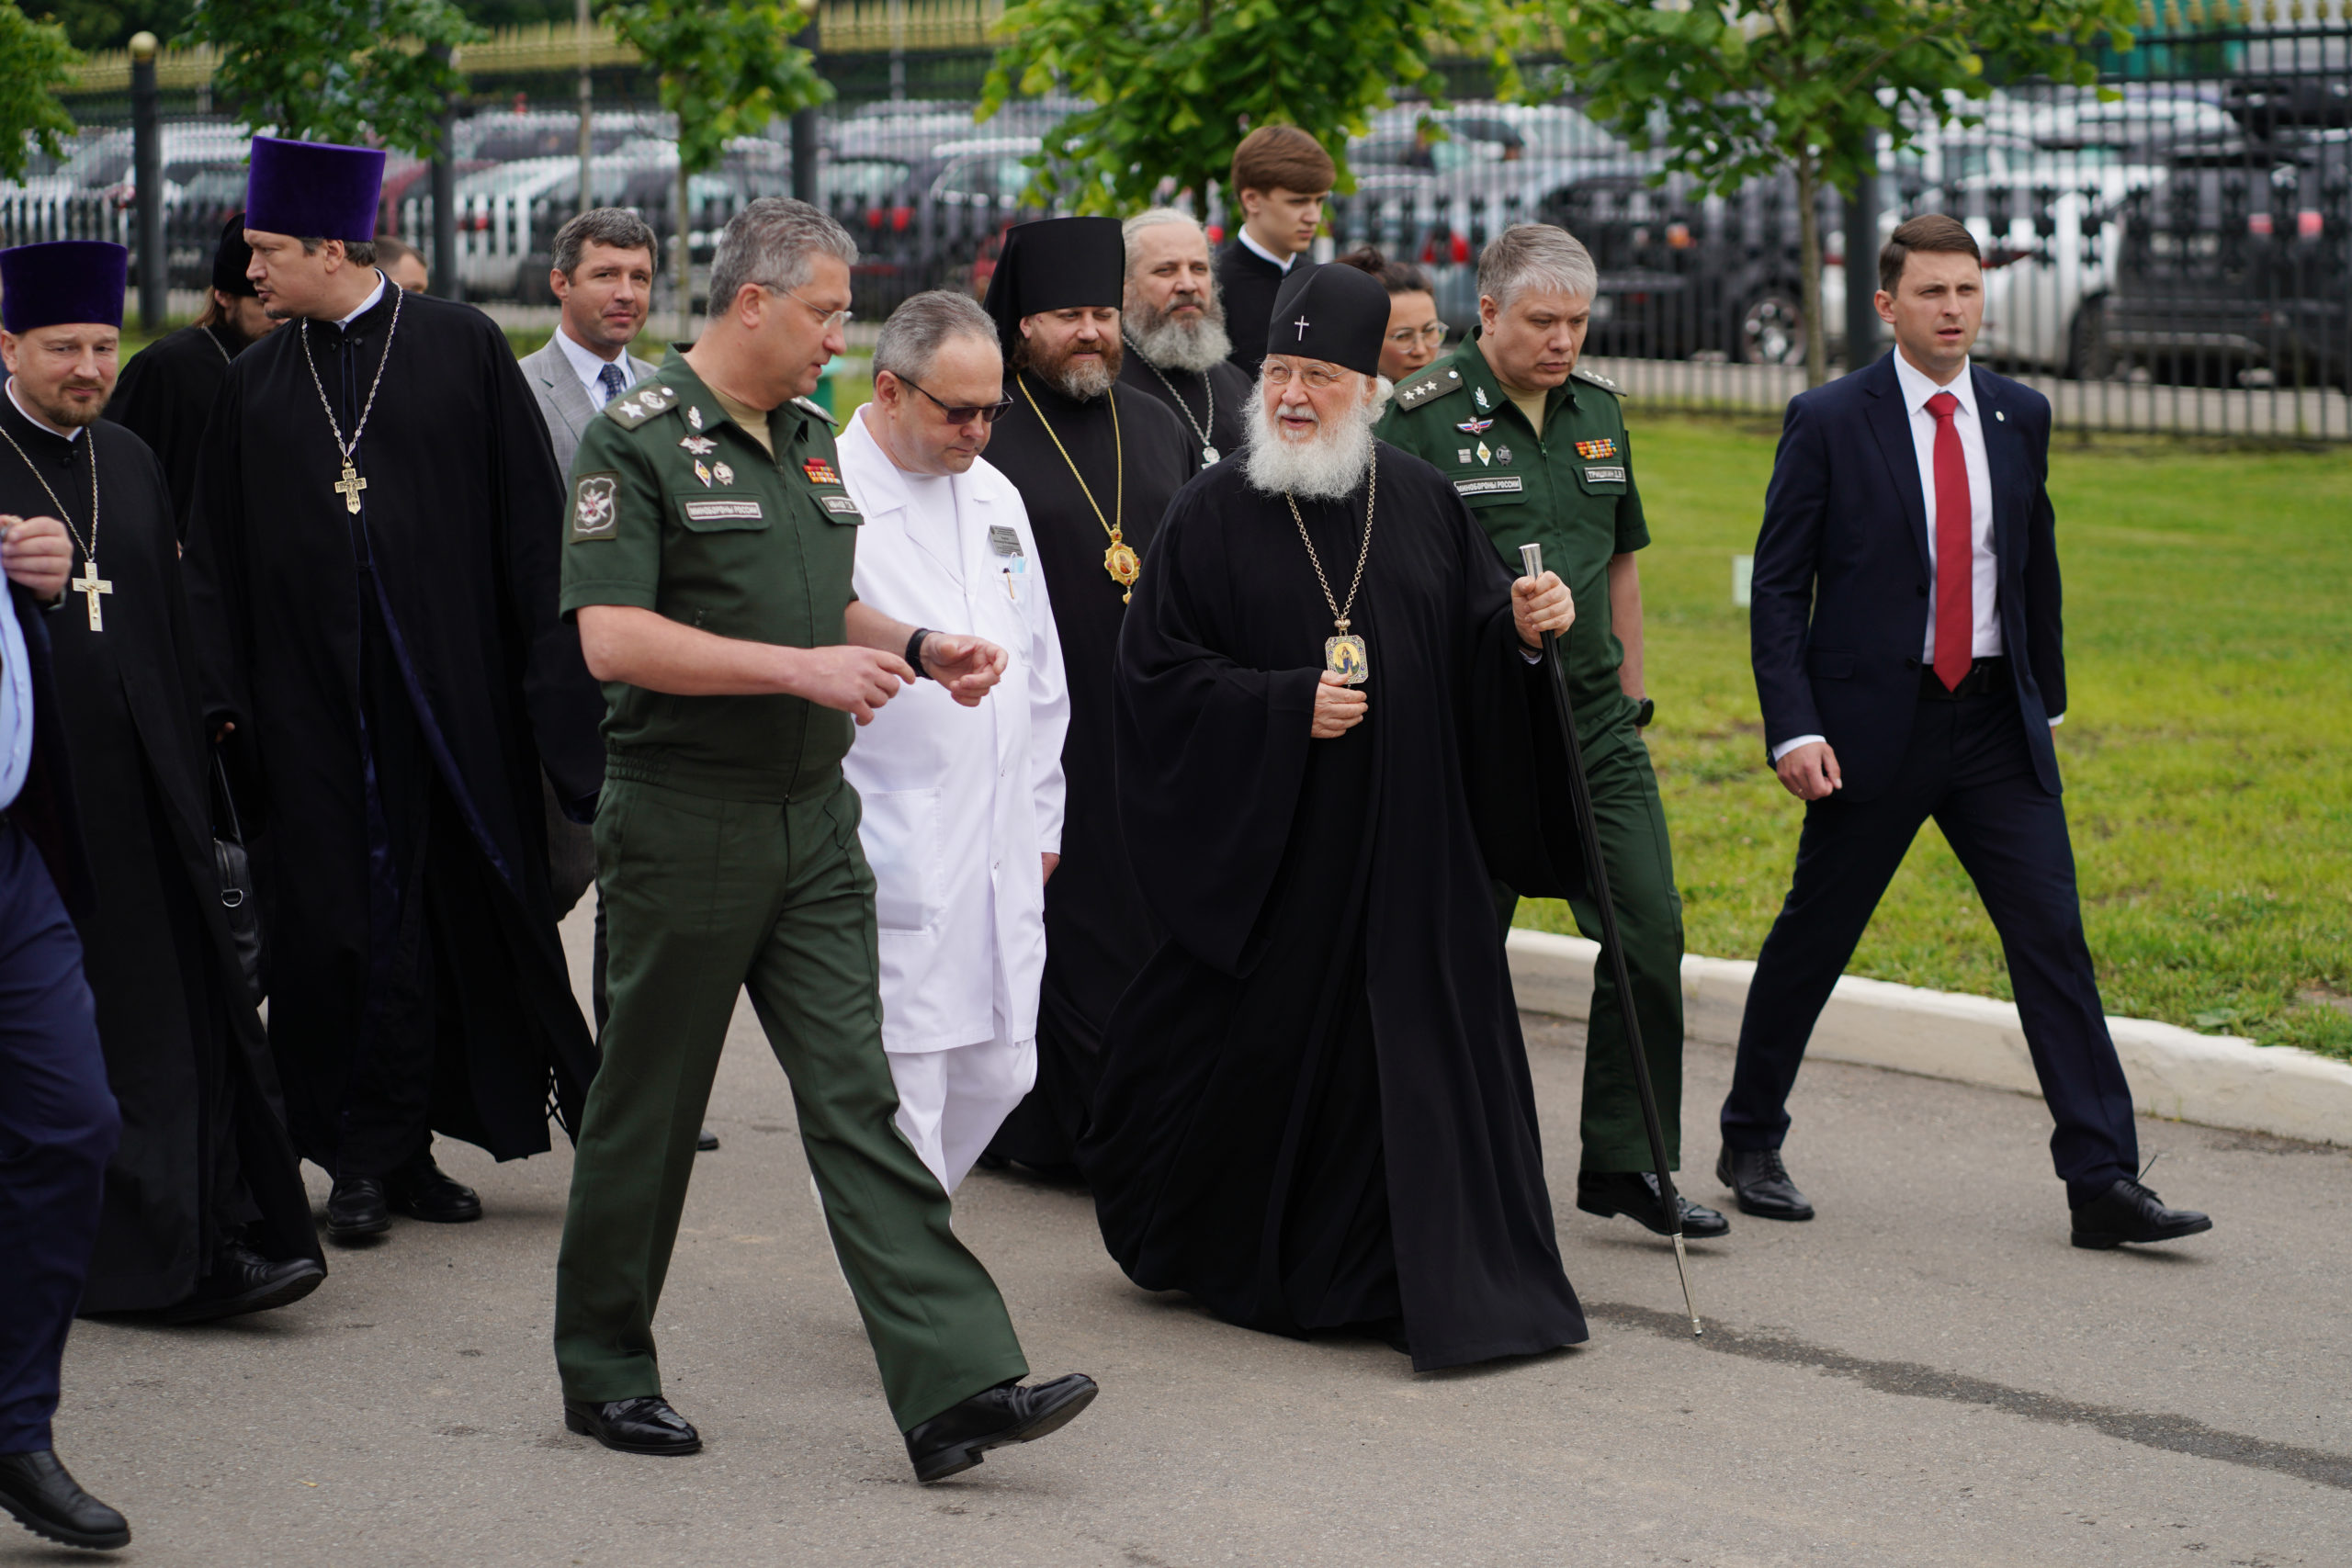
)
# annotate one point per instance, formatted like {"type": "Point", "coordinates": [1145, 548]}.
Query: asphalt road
{"type": "Point", "coordinates": [1927, 1374]}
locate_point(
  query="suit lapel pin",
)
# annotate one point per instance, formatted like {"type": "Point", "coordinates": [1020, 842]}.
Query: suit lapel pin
{"type": "Point", "coordinates": [2001, 415]}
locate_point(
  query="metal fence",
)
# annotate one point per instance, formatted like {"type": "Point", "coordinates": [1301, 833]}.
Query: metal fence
{"type": "Point", "coordinates": [2173, 256]}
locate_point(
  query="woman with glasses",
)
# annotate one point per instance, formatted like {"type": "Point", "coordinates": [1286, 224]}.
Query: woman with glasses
{"type": "Point", "coordinates": [1415, 337]}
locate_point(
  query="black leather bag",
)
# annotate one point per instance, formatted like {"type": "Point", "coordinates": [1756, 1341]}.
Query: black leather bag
{"type": "Point", "coordinates": [237, 885]}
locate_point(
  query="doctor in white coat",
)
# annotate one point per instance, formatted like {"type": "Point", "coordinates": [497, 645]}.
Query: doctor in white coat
{"type": "Point", "coordinates": [963, 807]}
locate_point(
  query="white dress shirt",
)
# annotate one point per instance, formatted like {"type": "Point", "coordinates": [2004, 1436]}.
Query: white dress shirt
{"type": "Point", "coordinates": [1985, 576]}
{"type": "Point", "coordinates": [960, 804]}
{"type": "Point", "coordinates": [1249, 243]}
{"type": "Point", "coordinates": [588, 367]}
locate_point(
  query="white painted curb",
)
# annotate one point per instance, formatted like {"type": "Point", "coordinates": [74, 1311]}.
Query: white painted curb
{"type": "Point", "coordinates": [2218, 1080]}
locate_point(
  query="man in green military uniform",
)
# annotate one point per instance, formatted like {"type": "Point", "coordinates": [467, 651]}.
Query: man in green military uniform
{"type": "Point", "coordinates": [708, 562]}
{"type": "Point", "coordinates": [1538, 450]}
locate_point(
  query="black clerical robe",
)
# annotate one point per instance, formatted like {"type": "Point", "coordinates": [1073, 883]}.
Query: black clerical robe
{"type": "Point", "coordinates": [203, 1152]}
{"type": "Point", "coordinates": [165, 398]}
{"type": "Point", "coordinates": [1315, 1109]}
{"type": "Point", "coordinates": [1212, 404]}
{"type": "Point", "coordinates": [398, 676]}
{"type": "Point", "coordinates": [1097, 932]}
{"type": "Point", "coordinates": [1247, 283]}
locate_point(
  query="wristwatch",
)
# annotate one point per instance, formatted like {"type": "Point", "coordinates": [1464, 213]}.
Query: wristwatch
{"type": "Point", "coordinates": [1644, 711]}
{"type": "Point", "coordinates": [914, 653]}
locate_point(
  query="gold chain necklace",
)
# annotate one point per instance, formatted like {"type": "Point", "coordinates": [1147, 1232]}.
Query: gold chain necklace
{"type": "Point", "coordinates": [89, 585]}
{"type": "Point", "coordinates": [1344, 655]}
{"type": "Point", "coordinates": [350, 484]}
{"type": "Point", "coordinates": [1120, 560]}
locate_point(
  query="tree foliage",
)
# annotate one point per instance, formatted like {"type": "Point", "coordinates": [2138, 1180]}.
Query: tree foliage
{"type": "Point", "coordinates": [36, 63]}
{"type": "Point", "coordinates": [1737, 89]}
{"type": "Point", "coordinates": [349, 70]}
{"type": "Point", "coordinates": [727, 67]}
{"type": "Point", "coordinates": [1175, 85]}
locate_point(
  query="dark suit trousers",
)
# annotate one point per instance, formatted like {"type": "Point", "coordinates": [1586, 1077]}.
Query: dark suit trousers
{"type": "Point", "coordinates": [1968, 768]}
{"type": "Point", "coordinates": [59, 1125]}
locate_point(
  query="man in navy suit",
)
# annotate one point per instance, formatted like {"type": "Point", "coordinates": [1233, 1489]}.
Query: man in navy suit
{"type": "Point", "coordinates": [1906, 637]}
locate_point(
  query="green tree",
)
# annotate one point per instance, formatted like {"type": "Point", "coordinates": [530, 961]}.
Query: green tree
{"type": "Point", "coordinates": [36, 64]}
{"type": "Point", "coordinates": [1175, 85]}
{"type": "Point", "coordinates": [337, 69]}
{"type": "Point", "coordinates": [108, 24]}
{"type": "Point", "coordinates": [727, 67]}
{"type": "Point", "coordinates": [1739, 89]}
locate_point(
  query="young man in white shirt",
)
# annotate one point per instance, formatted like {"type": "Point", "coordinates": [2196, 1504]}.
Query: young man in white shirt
{"type": "Point", "coordinates": [962, 808]}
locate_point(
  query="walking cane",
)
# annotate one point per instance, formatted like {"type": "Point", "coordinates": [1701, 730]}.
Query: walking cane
{"type": "Point", "coordinates": [1588, 835]}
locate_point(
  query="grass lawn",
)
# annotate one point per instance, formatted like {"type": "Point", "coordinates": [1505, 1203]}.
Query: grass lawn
{"type": "Point", "coordinates": [2207, 751]}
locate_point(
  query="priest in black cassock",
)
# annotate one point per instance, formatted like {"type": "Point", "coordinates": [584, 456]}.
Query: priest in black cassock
{"type": "Point", "coordinates": [167, 390]}
{"type": "Point", "coordinates": [1095, 465]}
{"type": "Point", "coordinates": [1315, 1110]}
{"type": "Point", "coordinates": [373, 577]}
{"type": "Point", "coordinates": [1173, 325]}
{"type": "Point", "coordinates": [205, 1216]}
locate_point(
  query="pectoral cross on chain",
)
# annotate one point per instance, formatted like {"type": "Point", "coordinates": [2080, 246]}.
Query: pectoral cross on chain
{"type": "Point", "coordinates": [89, 585]}
{"type": "Point", "coordinates": [349, 486]}
{"type": "Point", "coordinates": [1302, 324]}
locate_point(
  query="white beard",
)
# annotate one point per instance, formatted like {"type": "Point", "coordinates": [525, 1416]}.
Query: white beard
{"type": "Point", "coordinates": [1172, 344]}
{"type": "Point", "coordinates": [1327, 465]}
{"type": "Point", "coordinates": [1080, 382]}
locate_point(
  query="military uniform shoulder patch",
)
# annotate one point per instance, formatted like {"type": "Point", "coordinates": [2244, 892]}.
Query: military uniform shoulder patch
{"type": "Point", "coordinates": [1598, 379]}
{"type": "Point", "coordinates": [810, 405]}
{"type": "Point", "coordinates": [595, 507]}
{"type": "Point", "coordinates": [1427, 388]}
{"type": "Point", "coordinates": [636, 408]}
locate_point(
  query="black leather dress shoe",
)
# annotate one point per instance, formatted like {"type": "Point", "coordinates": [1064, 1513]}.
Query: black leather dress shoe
{"type": "Point", "coordinates": [1633, 1193]}
{"type": "Point", "coordinates": [243, 1281]}
{"type": "Point", "coordinates": [356, 1209]}
{"type": "Point", "coordinates": [420, 1191]}
{"type": "Point", "coordinates": [642, 1425]}
{"type": "Point", "coordinates": [705, 1140]}
{"type": "Point", "coordinates": [48, 1502]}
{"type": "Point", "coordinates": [954, 1440]}
{"type": "Point", "coordinates": [1760, 1184]}
{"type": "Point", "coordinates": [2129, 1212]}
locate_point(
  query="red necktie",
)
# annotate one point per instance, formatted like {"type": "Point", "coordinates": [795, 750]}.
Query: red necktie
{"type": "Point", "coordinates": [1955, 550]}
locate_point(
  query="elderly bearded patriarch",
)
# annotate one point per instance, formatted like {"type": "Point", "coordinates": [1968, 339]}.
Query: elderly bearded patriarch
{"type": "Point", "coordinates": [1315, 1111]}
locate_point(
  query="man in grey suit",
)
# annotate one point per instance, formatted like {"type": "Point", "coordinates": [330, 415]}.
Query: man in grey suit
{"type": "Point", "coordinates": [604, 279]}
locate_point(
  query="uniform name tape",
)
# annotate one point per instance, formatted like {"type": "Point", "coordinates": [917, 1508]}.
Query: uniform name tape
{"type": "Point", "coordinates": [722, 511]}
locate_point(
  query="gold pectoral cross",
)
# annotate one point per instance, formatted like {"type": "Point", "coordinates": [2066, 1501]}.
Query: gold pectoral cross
{"type": "Point", "coordinates": [89, 585]}
{"type": "Point", "coordinates": [349, 486]}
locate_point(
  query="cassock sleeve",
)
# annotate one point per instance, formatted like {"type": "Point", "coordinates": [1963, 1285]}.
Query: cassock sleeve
{"type": "Point", "coordinates": [1514, 757]}
{"type": "Point", "coordinates": [565, 703]}
{"type": "Point", "coordinates": [1211, 754]}
{"type": "Point", "coordinates": [213, 569]}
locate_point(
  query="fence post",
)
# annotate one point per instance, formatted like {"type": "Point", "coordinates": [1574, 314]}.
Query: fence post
{"type": "Point", "coordinates": [147, 163]}
{"type": "Point", "coordinates": [804, 125]}
{"type": "Point", "coordinates": [444, 197]}
{"type": "Point", "coordinates": [1862, 265]}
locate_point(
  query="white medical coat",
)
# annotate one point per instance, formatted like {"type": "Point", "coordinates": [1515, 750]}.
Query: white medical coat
{"type": "Point", "coordinates": [959, 802]}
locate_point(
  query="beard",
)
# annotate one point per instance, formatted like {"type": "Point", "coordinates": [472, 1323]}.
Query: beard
{"type": "Point", "coordinates": [1326, 466]}
{"type": "Point", "coordinates": [1080, 380]}
{"type": "Point", "coordinates": [1173, 342]}
{"type": "Point", "coordinates": [62, 412]}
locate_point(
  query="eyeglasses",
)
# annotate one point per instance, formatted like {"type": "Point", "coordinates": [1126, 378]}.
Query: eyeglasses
{"type": "Point", "coordinates": [964, 413]}
{"type": "Point", "coordinates": [1404, 337]}
{"type": "Point", "coordinates": [826, 320]}
{"type": "Point", "coordinates": [1318, 377]}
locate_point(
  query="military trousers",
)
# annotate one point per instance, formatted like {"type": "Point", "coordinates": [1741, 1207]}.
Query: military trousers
{"type": "Point", "coordinates": [707, 897]}
{"type": "Point", "coordinates": [1631, 821]}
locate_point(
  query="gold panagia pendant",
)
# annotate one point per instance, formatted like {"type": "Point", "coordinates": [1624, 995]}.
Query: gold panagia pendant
{"type": "Point", "coordinates": [1124, 565]}
{"type": "Point", "coordinates": [1347, 658]}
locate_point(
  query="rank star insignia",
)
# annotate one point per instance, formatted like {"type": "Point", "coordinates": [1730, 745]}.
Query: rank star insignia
{"type": "Point", "coordinates": [702, 473]}
{"type": "Point", "coordinates": [1475, 426]}
{"type": "Point", "coordinates": [700, 446]}
{"type": "Point", "coordinates": [725, 474]}
{"type": "Point", "coordinates": [1606, 446]}
{"type": "Point", "coordinates": [1483, 456]}
{"type": "Point", "coordinates": [693, 416]}
{"type": "Point", "coordinates": [820, 472]}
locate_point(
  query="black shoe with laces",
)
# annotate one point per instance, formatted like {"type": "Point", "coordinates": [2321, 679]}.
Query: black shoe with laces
{"type": "Point", "coordinates": [421, 1191]}
{"type": "Point", "coordinates": [2130, 1211]}
{"type": "Point", "coordinates": [243, 1281]}
{"type": "Point", "coordinates": [1760, 1184]}
{"type": "Point", "coordinates": [357, 1210]}
{"type": "Point", "coordinates": [46, 1500]}
{"type": "Point", "coordinates": [953, 1441]}
{"type": "Point", "coordinates": [1635, 1194]}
